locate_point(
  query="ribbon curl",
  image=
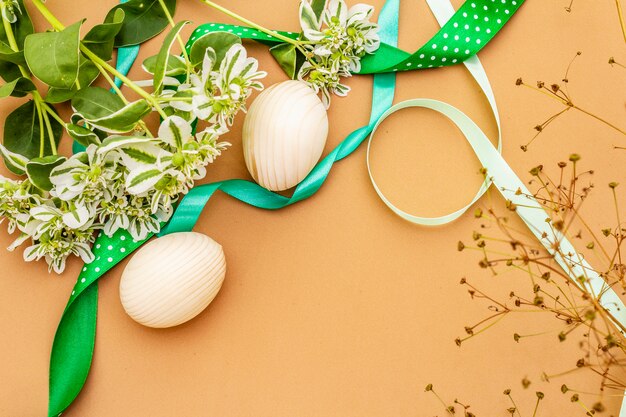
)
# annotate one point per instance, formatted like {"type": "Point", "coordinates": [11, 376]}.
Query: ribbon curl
{"type": "Point", "coordinates": [462, 35]}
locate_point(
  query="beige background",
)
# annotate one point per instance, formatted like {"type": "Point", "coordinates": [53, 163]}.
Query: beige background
{"type": "Point", "coordinates": [336, 307]}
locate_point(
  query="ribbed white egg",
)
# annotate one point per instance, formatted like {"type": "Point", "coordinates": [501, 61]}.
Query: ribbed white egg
{"type": "Point", "coordinates": [172, 279]}
{"type": "Point", "coordinates": [284, 134]}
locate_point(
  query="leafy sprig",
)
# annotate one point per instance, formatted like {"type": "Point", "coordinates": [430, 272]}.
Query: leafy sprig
{"type": "Point", "coordinates": [128, 177]}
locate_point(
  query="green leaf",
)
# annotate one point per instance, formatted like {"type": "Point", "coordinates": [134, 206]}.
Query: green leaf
{"type": "Point", "coordinates": [143, 20]}
{"type": "Point", "coordinates": [87, 73]}
{"type": "Point", "coordinates": [219, 41]}
{"type": "Point", "coordinates": [82, 135]}
{"type": "Point", "coordinates": [114, 142]}
{"type": "Point", "coordinates": [123, 120]}
{"type": "Point", "coordinates": [53, 57]}
{"type": "Point", "coordinates": [23, 27]}
{"type": "Point", "coordinates": [289, 58]}
{"type": "Point", "coordinates": [142, 179]}
{"type": "Point", "coordinates": [164, 55]}
{"type": "Point", "coordinates": [101, 38]}
{"type": "Point", "coordinates": [9, 71]}
{"type": "Point", "coordinates": [175, 65]}
{"type": "Point", "coordinates": [14, 161]}
{"type": "Point", "coordinates": [9, 55]}
{"type": "Point", "coordinates": [96, 102]}
{"type": "Point", "coordinates": [38, 170]}
{"type": "Point", "coordinates": [107, 111]}
{"type": "Point", "coordinates": [22, 133]}
{"type": "Point", "coordinates": [141, 153]}
{"type": "Point", "coordinates": [318, 7]}
{"type": "Point", "coordinates": [17, 88]}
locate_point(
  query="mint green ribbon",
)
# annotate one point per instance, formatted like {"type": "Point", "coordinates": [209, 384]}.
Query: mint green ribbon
{"type": "Point", "coordinates": [456, 42]}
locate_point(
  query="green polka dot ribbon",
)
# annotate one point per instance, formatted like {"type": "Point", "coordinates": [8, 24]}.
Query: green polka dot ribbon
{"type": "Point", "coordinates": [461, 37]}
{"type": "Point", "coordinates": [74, 340]}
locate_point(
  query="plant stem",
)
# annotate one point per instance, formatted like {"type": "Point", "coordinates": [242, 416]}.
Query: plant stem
{"type": "Point", "coordinates": [180, 40]}
{"type": "Point", "coordinates": [41, 130]}
{"type": "Point", "coordinates": [97, 60]}
{"type": "Point", "coordinates": [39, 102]}
{"type": "Point", "coordinates": [168, 99]}
{"type": "Point", "coordinates": [600, 119]}
{"type": "Point", "coordinates": [621, 18]}
{"type": "Point", "coordinates": [58, 26]}
{"type": "Point", "coordinates": [565, 102]}
{"type": "Point", "coordinates": [53, 145]}
{"type": "Point", "coordinates": [51, 112]}
{"type": "Point", "coordinates": [115, 88]}
{"type": "Point", "coordinates": [252, 24]}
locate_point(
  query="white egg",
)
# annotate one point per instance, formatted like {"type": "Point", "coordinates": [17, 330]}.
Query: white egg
{"type": "Point", "coordinates": [170, 280]}
{"type": "Point", "coordinates": [284, 134]}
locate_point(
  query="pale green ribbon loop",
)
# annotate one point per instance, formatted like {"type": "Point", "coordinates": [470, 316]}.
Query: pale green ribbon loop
{"type": "Point", "coordinates": [507, 183]}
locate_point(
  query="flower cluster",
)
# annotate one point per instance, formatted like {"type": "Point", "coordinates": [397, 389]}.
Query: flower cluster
{"type": "Point", "coordinates": [217, 95]}
{"type": "Point", "coordinates": [336, 42]}
{"type": "Point", "coordinates": [131, 181]}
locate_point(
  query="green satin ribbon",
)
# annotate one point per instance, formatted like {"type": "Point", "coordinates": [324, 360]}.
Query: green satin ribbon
{"type": "Point", "coordinates": [456, 42]}
{"type": "Point", "coordinates": [461, 37]}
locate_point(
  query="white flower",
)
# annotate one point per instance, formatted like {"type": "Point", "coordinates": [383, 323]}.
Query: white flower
{"type": "Point", "coordinates": [86, 176]}
{"type": "Point", "coordinates": [133, 214]}
{"type": "Point", "coordinates": [338, 42]}
{"type": "Point", "coordinates": [239, 74]}
{"type": "Point", "coordinates": [324, 80]}
{"type": "Point", "coordinates": [16, 200]}
{"type": "Point", "coordinates": [175, 161]}
{"type": "Point", "coordinates": [59, 233]}
{"type": "Point", "coordinates": [219, 95]}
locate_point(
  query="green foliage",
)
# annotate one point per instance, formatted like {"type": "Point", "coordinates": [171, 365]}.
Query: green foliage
{"type": "Point", "coordinates": [289, 58]}
{"type": "Point", "coordinates": [17, 88]}
{"type": "Point", "coordinates": [38, 170]}
{"type": "Point", "coordinates": [318, 7]}
{"type": "Point", "coordinates": [175, 65]}
{"type": "Point", "coordinates": [9, 55]}
{"type": "Point", "coordinates": [164, 55]}
{"type": "Point", "coordinates": [22, 133]}
{"type": "Point", "coordinates": [143, 20]}
{"type": "Point", "coordinates": [287, 55]}
{"type": "Point", "coordinates": [101, 38]}
{"type": "Point", "coordinates": [220, 42]}
{"type": "Point", "coordinates": [53, 57]}
{"type": "Point", "coordinates": [14, 161]}
{"type": "Point", "coordinates": [87, 73]}
{"type": "Point", "coordinates": [82, 135]}
{"type": "Point", "coordinates": [107, 111]}
{"type": "Point", "coordinates": [23, 27]}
